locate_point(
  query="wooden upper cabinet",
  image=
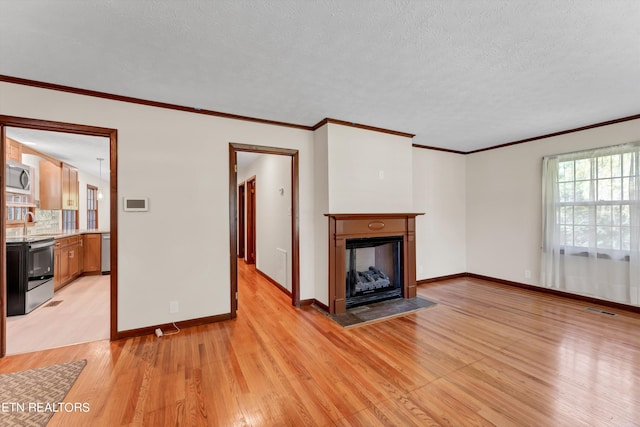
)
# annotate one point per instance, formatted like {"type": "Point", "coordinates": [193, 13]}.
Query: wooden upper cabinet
{"type": "Point", "coordinates": [50, 186]}
{"type": "Point", "coordinates": [14, 150]}
{"type": "Point", "coordinates": [58, 186]}
{"type": "Point", "coordinates": [69, 187]}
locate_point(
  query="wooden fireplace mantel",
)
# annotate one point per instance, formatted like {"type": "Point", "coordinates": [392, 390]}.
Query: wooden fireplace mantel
{"type": "Point", "coordinates": [351, 226]}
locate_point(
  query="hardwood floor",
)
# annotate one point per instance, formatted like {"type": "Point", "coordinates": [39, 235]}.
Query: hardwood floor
{"type": "Point", "coordinates": [488, 354]}
{"type": "Point", "coordinates": [82, 315]}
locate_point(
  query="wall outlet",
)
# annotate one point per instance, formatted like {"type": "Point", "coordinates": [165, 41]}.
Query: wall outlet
{"type": "Point", "coordinates": [381, 175]}
{"type": "Point", "coordinates": [527, 274]}
{"type": "Point", "coordinates": [159, 332]}
{"type": "Point", "coordinates": [173, 307]}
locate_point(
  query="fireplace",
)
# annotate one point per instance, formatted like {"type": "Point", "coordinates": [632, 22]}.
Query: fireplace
{"type": "Point", "coordinates": [371, 258]}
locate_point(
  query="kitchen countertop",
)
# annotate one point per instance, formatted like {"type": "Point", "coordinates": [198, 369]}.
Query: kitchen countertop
{"type": "Point", "coordinates": [63, 234]}
{"type": "Point", "coordinates": [29, 239]}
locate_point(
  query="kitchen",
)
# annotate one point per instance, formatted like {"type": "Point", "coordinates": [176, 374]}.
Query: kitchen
{"type": "Point", "coordinates": [57, 239]}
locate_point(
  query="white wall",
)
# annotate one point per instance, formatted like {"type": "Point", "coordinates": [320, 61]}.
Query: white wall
{"type": "Point", "coordinates": [179, 250]}
{"type": "Point", "coordinates": [439, 190]}
{"type": "Point", "coordinates": [504, 200]}
{"type": "Point", "coordinates": [355, 159]}
{"type": "Point", "coordinates": [321, 207]}
{"type": "Point", "coordinates": [273, 214]}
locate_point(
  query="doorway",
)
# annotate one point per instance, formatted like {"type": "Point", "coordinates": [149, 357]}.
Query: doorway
{"type": "Point", "coordinates": [234, 149]}
{"type": "Point", "coordinates": [251, 220]}
{"type": "Point", "coordinates": [110, 136]}
{"type": "Point", "coordinates": [241, 222]}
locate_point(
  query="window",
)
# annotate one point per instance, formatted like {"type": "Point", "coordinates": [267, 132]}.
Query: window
{"type": "Point", "coordinates": [92, 207]}
{"type": "Point", "coordinates": [591, 212]}
{"type": "Point", "coordinates": [69, 222]}
{"type": "Point", "coordinates": [595, 194]}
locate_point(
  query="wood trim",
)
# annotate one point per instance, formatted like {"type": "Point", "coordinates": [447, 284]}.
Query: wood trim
{"type": "Point", "coordinates": [233, 229]}
{"type": "Point", "coordinates": [242, 201]}
{"type": "Point", "coordinates": [351, 216]}
{"type": "Point", "coordinates": [121, 98]}
{"type": "Point", "coordinates": [273, 282]}
{"type": "Point", "coordinates": [359, 126]}
{"type": "Point", "coordinates": [132, 100]}
{"type": "Point", "coordinates": [563, 132]}
{"type": "Point", "coordinates": [441, 278]}
{"type": "Point", "coordinates": [113, 230]}
{"type": "Point", "coordinates": [295, 229]}
{"type": "Point", "coordinates": [251, 245]}
{"type": "Point", "coordinates": [29, 123]}
{"type": "Point", "coordinates": [426, 147]}
{"type": "Point", "coordinates": [234, 148]}
{"type": "Point", "coordinates": [3, 245]}
{"type": "Point", "coordinates": [536, 138]}
{"type": "Point", "coordinates": [313, 301]}
{"type": "Point", "coordinates": [112, 134]}
{"type": "Point", "coordinates": [556, 292]}
{"type": "Point", "coordinates": [149, 330]}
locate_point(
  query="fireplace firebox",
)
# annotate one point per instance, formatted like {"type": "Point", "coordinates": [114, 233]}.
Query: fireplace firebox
{"type": "Point", "coordinates": [374, 269]}
{"type": "Point", "coordinates": [371, 257]}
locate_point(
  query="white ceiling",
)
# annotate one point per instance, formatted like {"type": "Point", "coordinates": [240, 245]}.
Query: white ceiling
{"type": "Point", "coordinates": [459, 74]}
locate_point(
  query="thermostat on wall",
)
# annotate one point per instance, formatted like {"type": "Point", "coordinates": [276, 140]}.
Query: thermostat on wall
{"type": "Point", "coordinates": [136, 204]}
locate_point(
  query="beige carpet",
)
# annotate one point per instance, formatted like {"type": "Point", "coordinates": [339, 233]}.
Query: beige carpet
{"type": "Point", "coordinates": [30, 398]}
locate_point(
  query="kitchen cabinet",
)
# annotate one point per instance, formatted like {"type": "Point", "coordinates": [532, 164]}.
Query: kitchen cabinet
{"type": "Point", "coordinates": [58, 186]}
{"type": "Point", "coordinates": [69, 187]}
{"type": "Point", "coordinates": [91, 252]}
{"type": "Point", "coordinates": [14, 150]}
{"type": "Point", "coordinates": [68, 260]}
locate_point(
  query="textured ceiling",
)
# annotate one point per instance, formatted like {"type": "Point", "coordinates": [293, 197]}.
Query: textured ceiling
{"type": "Point", "coordinates": [461, 75]}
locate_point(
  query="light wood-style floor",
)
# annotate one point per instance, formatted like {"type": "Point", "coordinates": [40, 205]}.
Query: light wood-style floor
{"type": "Point", "coordinates": [81, 316]}
{"type": "Point", "coordinates": [488, 354]}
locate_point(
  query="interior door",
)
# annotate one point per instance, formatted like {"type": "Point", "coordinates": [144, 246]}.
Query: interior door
{"type": "Point", "coordinates": [251, 220]}
{"type": "Point", "coordinates": [241, 221]}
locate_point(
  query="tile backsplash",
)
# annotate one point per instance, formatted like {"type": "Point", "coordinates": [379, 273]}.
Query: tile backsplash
{"type": "Point", "coordinates": [46, 222]}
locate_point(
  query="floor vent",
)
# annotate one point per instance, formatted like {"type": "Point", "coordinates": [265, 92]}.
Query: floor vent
{"type": "Point", "coordinates": [53, 303]}
{"type": "Point", "coordinates": [597, 310]}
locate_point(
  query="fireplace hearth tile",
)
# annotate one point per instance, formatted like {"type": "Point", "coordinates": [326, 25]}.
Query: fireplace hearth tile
{"type": "Point", "coordinates": [378, 311]}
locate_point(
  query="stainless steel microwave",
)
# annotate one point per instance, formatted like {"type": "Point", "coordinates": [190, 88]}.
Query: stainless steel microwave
{"type": "Point", "coordinates": [18, 178]}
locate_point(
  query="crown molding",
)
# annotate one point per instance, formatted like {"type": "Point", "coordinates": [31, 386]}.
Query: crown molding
{"type": "Point", "coordinates": [359, 126]}
{"type": "Point", "coordinates": [114, 97]}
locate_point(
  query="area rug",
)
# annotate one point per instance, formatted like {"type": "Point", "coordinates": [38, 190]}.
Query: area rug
{"type": "Point", "coordinates": [358, 316]}
{"type": "Point", "coordinates": [30, 398]}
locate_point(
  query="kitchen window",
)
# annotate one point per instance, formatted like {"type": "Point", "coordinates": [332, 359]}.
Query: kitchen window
{"type": "Point", "coordinates": [92, 207]}
{"type": "Point", "coordinates": [69, 220]}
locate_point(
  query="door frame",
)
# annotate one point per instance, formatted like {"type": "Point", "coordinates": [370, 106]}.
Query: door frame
{"type": "Point", "coordinates": [234, 148]}
{"type": "Point", "coordinates": [251, 220]}
{"type": "Point", "coordinates": [241, 219]}
{"type": "Point", "coordinates": [112, 134]}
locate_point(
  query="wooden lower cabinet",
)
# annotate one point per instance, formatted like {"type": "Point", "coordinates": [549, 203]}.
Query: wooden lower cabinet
{"type": "Point", "coordinates": [91, 252]}
{"type": "Point", "coordinates": [68, 260]}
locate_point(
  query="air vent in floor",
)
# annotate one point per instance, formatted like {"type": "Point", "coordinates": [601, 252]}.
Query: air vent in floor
{"type": "Point", "coordinates": [597, 310]}
{"type": "Point", "coordinates": [53, 303]}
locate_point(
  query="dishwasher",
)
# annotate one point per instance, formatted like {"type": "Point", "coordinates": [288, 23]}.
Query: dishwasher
{"type": "Point", "coordinates": [105, 261]}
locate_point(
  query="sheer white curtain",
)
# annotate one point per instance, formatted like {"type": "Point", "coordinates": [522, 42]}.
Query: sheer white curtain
{"type": "Point", "coordinates": [591, 223]}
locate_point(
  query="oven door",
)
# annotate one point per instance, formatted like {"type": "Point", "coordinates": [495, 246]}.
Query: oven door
{"type": "Point", "coordinates": [40, 263]}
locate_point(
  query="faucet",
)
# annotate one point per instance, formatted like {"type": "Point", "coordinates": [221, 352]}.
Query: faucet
{"type": "Point", "coordinates": [26, 217]}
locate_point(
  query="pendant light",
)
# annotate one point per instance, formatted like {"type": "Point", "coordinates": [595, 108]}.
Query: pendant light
{"type": "Point", "coordinates": [100, 196]}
